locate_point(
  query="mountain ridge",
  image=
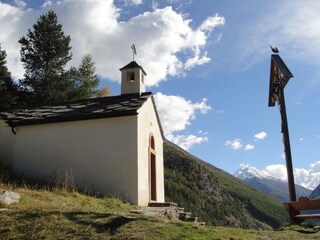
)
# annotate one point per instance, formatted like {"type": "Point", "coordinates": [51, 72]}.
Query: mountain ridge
{"type": "Point", "coordinates": [215, 196]}
{"type": "Point", "coordinates": [275, 187]}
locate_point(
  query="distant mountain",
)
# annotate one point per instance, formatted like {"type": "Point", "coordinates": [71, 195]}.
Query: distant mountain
{"type": "Point", "coordinates": [315, 193]}
{"type": "Point", "coordinates": [215, 196]}
{"type": "Point", "coordinates": [251, 172]}
{"type": "Point", "coordinates": [268, 184]}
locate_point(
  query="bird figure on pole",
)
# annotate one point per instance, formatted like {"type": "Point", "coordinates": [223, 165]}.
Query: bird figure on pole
{"type": "Point", "coordinates": [275, 49]}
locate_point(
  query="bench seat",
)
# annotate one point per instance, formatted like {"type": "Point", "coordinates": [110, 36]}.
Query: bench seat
{"type": "Point", "coordinates": [302, 204]}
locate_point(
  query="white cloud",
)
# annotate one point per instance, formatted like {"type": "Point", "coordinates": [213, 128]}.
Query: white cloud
{"type": "Point", "coordinates": [186, 141]}
{"type": "Point", "coordinates": [134, 2]}
{"type": "Point", "coordinates": [166, 43]}
{"type": "Point", "coordinates": [254, 37]}
{"type": "Point", "coordinates": [20, 4]}
{"type": "Point", "coordinates": [248, 147]}
{"type": "Point", "coordinates": [211, 22]}
{"type": "Point", "coordinates": [260, 135]}
{"type": "Point", "coordinates": [234, 144]}
{"type": "Point", "coordinates": [176, 113]}
{"type": "Point", "coordinates": [308, 178]}
{"type": "Point", "coordinates": [197, 60]}
{"type": "Point", "coordinates": [278, 171]}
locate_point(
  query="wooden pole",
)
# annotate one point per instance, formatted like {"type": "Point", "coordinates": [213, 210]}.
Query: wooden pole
{"type": "Point", "coordinates": [286, 142]}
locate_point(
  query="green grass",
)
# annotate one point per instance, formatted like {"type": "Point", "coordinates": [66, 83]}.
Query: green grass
{"type": "Point", "coordinates": [46, 211]}
{"type": "Point", "coordinates": [61, 214]}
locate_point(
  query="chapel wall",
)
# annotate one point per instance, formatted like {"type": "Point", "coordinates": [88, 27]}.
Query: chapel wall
{"type": "Point", "coordinates": [7, 141]}
{"type": "Point", "coordinates": [147, 124]}
{"type": "Point", "coordinates": [97, 155]}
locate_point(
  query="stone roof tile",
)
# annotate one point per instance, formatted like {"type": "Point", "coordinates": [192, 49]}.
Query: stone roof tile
{"type": "Point", "coordinates": [115, 106]}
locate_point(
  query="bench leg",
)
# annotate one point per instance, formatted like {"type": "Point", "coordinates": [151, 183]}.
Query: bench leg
{"type": "Point", "coordinates": [293, 213]}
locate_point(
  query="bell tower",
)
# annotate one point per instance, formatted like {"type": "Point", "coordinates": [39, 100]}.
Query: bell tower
{"type": "Point", "coordinates": [132, 79]}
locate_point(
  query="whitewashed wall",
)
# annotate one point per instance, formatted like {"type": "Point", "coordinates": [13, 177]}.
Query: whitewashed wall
{"type": "Point", "coordinates": [147, 123]}
{"type": "Point", "coordinates": [109, 156]}
{"type": "Point", "coordinates": [7, 141]}
{"type": "Point", "coordinates": [99, 154]}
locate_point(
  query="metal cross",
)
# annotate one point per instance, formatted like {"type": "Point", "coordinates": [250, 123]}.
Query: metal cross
{"type": "Point", "coordinates": [134, 51]}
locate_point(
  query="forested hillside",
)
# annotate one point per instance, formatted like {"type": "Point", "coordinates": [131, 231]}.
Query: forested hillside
{"type": "Point", "coordinates": [215, 196]}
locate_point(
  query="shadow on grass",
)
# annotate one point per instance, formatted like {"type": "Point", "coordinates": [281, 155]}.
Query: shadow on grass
{"type": "Point", "coordinates": [90, 220]}
{"type": "Point", "coordinates": [99, 222]}
{"type": "Point", "coordinates": [118, 222]}
{"type": "Point", "coordinates": [305, 231]}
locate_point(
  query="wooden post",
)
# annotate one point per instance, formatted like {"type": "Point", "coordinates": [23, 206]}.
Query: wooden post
{"type": "Point", "coordinates": [286, 143]}
{"type": "Point", "coordinates": [279, 77]}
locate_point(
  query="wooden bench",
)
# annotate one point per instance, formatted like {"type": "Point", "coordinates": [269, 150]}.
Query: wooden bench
{"type": "Point", "coordinates": [303, 203]}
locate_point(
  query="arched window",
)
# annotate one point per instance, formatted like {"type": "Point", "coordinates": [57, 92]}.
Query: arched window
{"type": "Point", "coordinates": [152, 169]}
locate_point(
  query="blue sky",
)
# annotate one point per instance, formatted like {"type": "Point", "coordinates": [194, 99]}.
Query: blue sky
{"type": "Point", "coordinates": [208, 63]}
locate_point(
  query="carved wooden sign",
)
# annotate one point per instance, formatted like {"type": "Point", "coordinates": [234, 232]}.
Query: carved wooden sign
{"type": "Point", "coordinates": [279, 77]}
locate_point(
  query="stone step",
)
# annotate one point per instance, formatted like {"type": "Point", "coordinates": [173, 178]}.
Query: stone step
{"type": "Point", "coordinates": [201, 223]}
{"type": "Point", "coordinates": [162, 204]}
{"type": "Point", "coordinates": [169, 208]}
{"type": "Point", "coordinates": [184, 215]}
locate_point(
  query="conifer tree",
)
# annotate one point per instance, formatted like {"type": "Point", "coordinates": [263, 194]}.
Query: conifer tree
{"type": "Point", "coordinates": [8, 89]}
{"type": "Point", "coordinates": [45, 51]}
{"type": "Point", "coordinates": [85, 78]}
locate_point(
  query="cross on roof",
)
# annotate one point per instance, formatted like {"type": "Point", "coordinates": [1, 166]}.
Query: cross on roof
{"type": "Point", "coordinates": [134, 51]}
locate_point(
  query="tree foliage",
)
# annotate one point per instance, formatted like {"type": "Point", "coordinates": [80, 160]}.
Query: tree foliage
{"type": "Point", "coordinates": [104, 92]}
{"type": "Point", "coordinates": [85, 79]}
{"type": "Point", "coordinates": [215, 196]}
{"type": "Point", "coordinates": [8, 89]}
{"type": "Point", "coordinates": [45, 51]}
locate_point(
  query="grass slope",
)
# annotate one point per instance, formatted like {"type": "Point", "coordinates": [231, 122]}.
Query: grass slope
{"type": "Point", "coordinates": [48, 212]}
{"type": "Point", "coordinates": [61, 214]}
{"type": "Point", "coordinates": [215, 196]}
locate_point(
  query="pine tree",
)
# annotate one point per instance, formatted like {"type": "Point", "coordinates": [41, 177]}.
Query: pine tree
{"type": "Point", "coordinates": [45, 51]}
{"type": "Point", "coordinates": [85, 78]}
{"type": "Point", "coordinates": [8, 89]}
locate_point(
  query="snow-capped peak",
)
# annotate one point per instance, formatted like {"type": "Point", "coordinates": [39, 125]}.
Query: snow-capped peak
{"type": "Point", "coordinates": [250, 172]}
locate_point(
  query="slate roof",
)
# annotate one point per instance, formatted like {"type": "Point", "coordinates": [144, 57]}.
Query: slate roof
{"type": "Point", "coordinates": [133, 64]}
{"type": "Point", "coordinates": [106, 107]}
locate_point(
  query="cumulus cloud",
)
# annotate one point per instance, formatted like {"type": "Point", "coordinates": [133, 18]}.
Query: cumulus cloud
{"type": "Point", "coordinates": [260, 135]}
{"type": "Point", "coordinates": [20, 4]}
{"type": "Point", "coordinates": [248, 147]}
{"type": "Point", "coordinates": [186, 141]}
{"type": "Point", "coordinates": [234, 144]}
{"type": "Point", "coordinates": [176, 113]}
{"type": "Point", "coordinates": [278, 171]}
{"type": "Point", "coordinates": [308, 178]}
{"type": "Point", "coordinates": [166, 43]}
{"type": "Point", "coordinates": [135, 2]}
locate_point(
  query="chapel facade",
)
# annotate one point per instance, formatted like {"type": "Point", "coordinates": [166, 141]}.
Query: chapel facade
{"type": "Point", "coordinates": [110, 145]}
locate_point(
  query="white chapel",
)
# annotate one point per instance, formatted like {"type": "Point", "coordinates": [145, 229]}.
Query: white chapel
{"type": "Point", "coordinates": [110, 145]}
